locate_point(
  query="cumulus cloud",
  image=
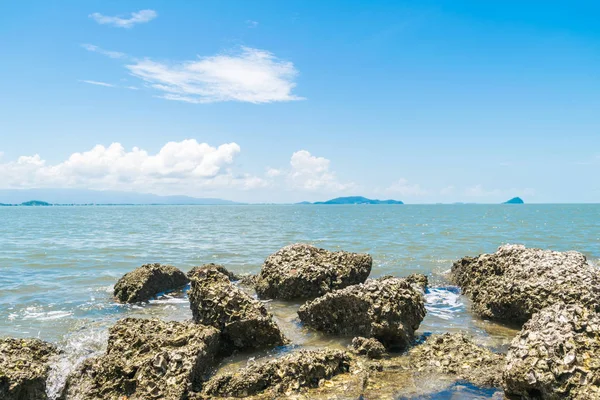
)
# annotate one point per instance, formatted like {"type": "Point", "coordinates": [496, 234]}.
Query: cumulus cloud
{"type": "Point", "coordinates": [99, 50]}
{"type": "Point", "coordinates": [185, 167]}
{"type": "Point", "coordinates": [405, 188]}
{"type": "Point", "coordinates": [313, 173]}
{"type": "Point", "coordinates": [271, 172]}
{"type": "Point", "coordinates": [250, 75]}
{"type": "Point", "coordinates": [139, 17]}
{"type": "Point", "coordinates": [97, 83]}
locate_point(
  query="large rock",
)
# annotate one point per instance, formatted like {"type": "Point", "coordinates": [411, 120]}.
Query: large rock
{"type": "Point", "coordinates": [389, 310]}
{"type": "Point", "coordinates": [556, 356]}
{"type": "Point", "coordinates": [147, 281]}
{"type": "Point", "coordinates": [217, 267]}
{"type": "Point", "coordinates": [456, 354]}
{"type": "Point", "coordinates": [24, 368]}
{"type": "Point", "coordinates": [147, 359]}
{"type": "Point", "coordinates": [515, 282]}
{"type": "Point", "coordinates": [243, 321]}
{"type": "Point", "coordinates": [302, 271]}
{"type": "Point", "coordinates": [370, 347]}
{"type": "Point", "coordinates": [303, 368]}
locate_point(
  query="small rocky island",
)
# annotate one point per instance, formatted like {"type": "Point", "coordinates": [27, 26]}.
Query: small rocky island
{"type": "Point", "coordinates": [552, 296]}
{"type": "Point", "coordinates": [514, 200]}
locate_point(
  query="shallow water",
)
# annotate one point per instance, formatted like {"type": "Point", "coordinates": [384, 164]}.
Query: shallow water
{"type": "Point", "coordinates": [58, 264]}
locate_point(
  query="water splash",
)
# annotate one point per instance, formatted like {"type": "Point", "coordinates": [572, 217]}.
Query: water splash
{"type": "Point", "coordinates": [444, 302]}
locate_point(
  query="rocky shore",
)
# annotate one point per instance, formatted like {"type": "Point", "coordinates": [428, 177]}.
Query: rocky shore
{"type": "Point", "coordinates": [552, 296]}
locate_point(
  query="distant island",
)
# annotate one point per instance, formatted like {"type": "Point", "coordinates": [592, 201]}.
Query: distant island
{"type": "Point", "coordinates": [515, 200]}
{"type": "Point", "coordinates": [30, 203]}
{"type": "Point", "coordinates": [354, 200]}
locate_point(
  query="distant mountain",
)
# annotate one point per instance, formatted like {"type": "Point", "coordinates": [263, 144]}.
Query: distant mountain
{"type": "Point", "coordinates": [84, 196]}
{"type": "Point", "coordinates": [355, 200]}
{"type": "Point", "coordinates": [515, 200]}
{"type": "Point", "coordinates": [35, 203]}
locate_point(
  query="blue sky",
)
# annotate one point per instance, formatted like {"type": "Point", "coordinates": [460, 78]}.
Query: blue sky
{"type": "Point", "coordinates": [428, 101]}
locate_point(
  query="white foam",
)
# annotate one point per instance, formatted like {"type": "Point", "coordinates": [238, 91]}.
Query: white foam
{"type": "Point", "coordinates": [37, 313]}
{"type": "Point", "coordinates": [443, 303]}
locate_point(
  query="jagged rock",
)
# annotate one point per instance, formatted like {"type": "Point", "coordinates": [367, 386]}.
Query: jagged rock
{"type": "Point", "coordinates": [556, 356]}
{"type": "Point", "coordinates": [243, 321]}
{"type": "Point", "coordinates": [302, 271]}
{"type": "Point", "coordinates": [303, 368]}
{"type": "Point", "coordinates": [456, 354]}
{"type": "Point", "coordinates": [147, 281]}
{"type": "Point", "coordinates": [217, 267]}
{"type": "Point", "coordinates": [147, 359]}
{"type": "Point", "coordinates": [515, 282]}
{"type": "Point", "coordinates": [418, 280]}
{"type": "Point", "coordinates": [372, 348]}
{"type": "Point", "coordinates": [389, 310]}
{"type": "Point", "coordinates": [24, 368]}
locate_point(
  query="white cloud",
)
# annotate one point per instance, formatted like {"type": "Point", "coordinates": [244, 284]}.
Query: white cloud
{"type": "Point", "coordinates": [405, 188]}
{"type": "Point", "coordinates": [251, 75]}
{"type": "Point", "coordinates": [480, 191]}
{"type": "Point", "coordinates": [251, 24]}
{"type": "Point", "coordinates": [98, 83]}
{"type": "Point", "coordinates": [139, 17]}
{"type": "Point", "coordinates": [312, 173]}
{"type": "Point", "coordinates": [447, 190]}
{"type": "Point", "coordinates": [99, 50]}
{"type": "Point", "coordinates": [273, 172]}
{"type": "Point", "coordinates": [132, 88]}
{"type": "Point", "coordinates": [185, 167]}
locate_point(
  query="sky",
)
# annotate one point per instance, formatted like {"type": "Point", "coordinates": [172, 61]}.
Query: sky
{"type": "Point", "coordinates": [285, 101]}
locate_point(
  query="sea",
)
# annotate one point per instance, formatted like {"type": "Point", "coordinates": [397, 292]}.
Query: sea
{"type": "Point", "coordinates": [58, 264]}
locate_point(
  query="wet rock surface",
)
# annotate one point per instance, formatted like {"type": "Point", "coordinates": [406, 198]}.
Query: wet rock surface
{"type": "Point", "coordinates": [243, 321]}
{"type": "Point", "coordinates": [456, 354]}
{"type": "Point", "coordinates": [302, 271]}
{"type": "Point", "coordinates": [24, 368]}
{"type": "Point", "coordinates": [217, 267]}
{"type": "Point", "coordinates": [389, 310]}
{"type": "Point", "coordinates": [515, 282]}
{"type": "Point", "coordinates": [556, 356]}
{"type": "Point", "coordinates": [372, 348]}
{"type": "Point", "coordinates": [145, 282]}
{"type": "Point", "coordinates": [147, 359]}
{"type": "Point", "coordinates": [280, 376]}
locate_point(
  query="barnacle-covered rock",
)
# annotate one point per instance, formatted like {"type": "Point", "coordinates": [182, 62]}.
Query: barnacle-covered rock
{"type": "Point", "coordinates": [418, 280]}
{"type": "Point", "coordinates": [300, 369]}
{"type": "Point", "coordinates": [389, 310]}
{"type": "Point", "coordinates": [217, 267]}
{"type": "Point", "coordinates": [147, 281]}
{"type": "Point", "coordinates": [515, 282]}
{"type": "Point", "coordinates": [456, 354]}
{"type": "Point", "coordinates": [243, 321]}
{"type": "Point", "coordinates": [302, 271]}
{"type": "Point", "coordinates": [147, 359]}
{"type": "Point", "coordinates": [370, 347]}
{"type": "Point", "coordinates": [556, 356]}
{"type": "Point", "coordinates": [24, 368]}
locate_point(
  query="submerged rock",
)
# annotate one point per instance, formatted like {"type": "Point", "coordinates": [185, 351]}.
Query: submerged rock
{"type": "Point", "coordinates": [217, 267]}
{"type": "Point", "coordinates": [24, 368]}
{"type": "Point", "coordinates": [303, 368]}
{"type": "Point", "coordinates": [147, 359]}
{"type": "Point", "coordinates": [302, 271]}
{"type": "Point", "coordinates": [556, 356]}
{"type": "Point", "coordinates": [243, 321]}
{"type": "Point", "coordinates": [147, 281]}
{"type": "Point", "coordinates": [515, 282]}
{"type": "Point", "coordinates": [389, 310]}
{"type": "Point", "coordinates": [372, 348]}
{"type": "Point", "coordinates": [456, 354]}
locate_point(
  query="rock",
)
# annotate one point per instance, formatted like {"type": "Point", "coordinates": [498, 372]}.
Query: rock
{"type": "Point", "coordinates": [556, 355]}
{"type": "Point", "coordinates": [300, 369]}
{"type": "Point", "coordinates": [389, 310]}
{"type": "Point", "coordinates": [302, 271]}
{"type": "Point", "coordinates": [372, 348]}
{"type": "Point", "coordinates": [24, 368]}
{"type": "Point", "coordinates": [147, 281]}
{"type": "Point", "coordinates": [515, 282]}
{"type": "Point", "coordinates": [456, 354]}
{"type": "Point", "coordinates": [147, 359]}
{"type": "Point", "coordinates": [243, 321]}
{"type": "Point", "coordinates": [418, 280]}
{"type": "Point", "coordinates": [216, 267]}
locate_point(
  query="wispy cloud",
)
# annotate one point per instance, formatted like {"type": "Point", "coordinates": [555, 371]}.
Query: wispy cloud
{"type": "Point", "coordinates": [251, 24]}
{"type": "Point", "coordinates": [249, 75]}
{"type": "Point", "coordinates": [97, 83]}
{"type": "Point", "coordinates": [480, 191]}
{"type": "Point", "coordinates": [108, 53]}
{"type": "Point", "coordinates": [405, 188]}
{"type": "Point", "coordinates": [139, 17]}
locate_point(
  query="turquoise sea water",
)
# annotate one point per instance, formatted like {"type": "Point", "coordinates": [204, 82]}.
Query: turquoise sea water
{"type": "Point", "coordinates": [58, 264]}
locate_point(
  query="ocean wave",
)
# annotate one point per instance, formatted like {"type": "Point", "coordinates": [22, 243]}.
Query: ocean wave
{"type": "Point", "coordinates": [37, 313]}
{"type": "Point", "coordinates": [444, 302]}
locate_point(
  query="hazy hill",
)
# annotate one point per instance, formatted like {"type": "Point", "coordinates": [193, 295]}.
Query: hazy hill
{"type": "Point", "coordinates": [356, 200]}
